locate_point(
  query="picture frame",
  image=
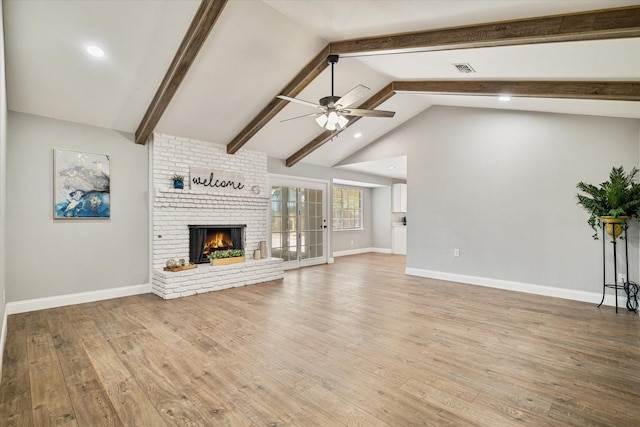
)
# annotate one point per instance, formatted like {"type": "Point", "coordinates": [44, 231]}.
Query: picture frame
{"type": "Point", "coordinates": [81, 185]}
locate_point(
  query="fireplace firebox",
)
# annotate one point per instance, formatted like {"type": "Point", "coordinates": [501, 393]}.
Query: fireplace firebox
{"type": "Point", "coordinates": [206, 239]}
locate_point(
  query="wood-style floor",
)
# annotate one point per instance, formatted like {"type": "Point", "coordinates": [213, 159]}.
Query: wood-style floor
{"type": "Point", "coordinates": [356, 343]}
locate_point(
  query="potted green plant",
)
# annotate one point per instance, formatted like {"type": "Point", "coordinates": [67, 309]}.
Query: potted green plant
{"type": "Point", "coordinates": [227, 256]}
{"type": "Point", "coordinates": [178, 181]}
{"type": "Point", "coordinates": [611, 203]}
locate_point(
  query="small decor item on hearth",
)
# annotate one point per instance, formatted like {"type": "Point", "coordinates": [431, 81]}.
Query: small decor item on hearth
{"type": "Point", "coordinates": [178, 181]}
{"type": "Point", "coordinates": [173, 265]}
{"type": "Point", "coordinates": [228, 256]}
{"type": "Point", "coordinates": [256, 254]}
{"type": "Point", "coordinates": [263, 249]}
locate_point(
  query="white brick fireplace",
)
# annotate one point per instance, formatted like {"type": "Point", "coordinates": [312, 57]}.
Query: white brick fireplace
{"type": "Point", "coordinates": [175, 210]}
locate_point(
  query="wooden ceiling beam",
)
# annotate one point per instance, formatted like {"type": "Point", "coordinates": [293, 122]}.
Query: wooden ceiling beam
{"type": "Point", "coordinates": [592, 25]}
{"type": "Point", "coordinates": [292, 89]}
{"type": "Point", "coordinates": [205, 18]}
{"type": "Point", "coordinates": [603, 91]}
{"type": "Point", "coordinates": [381, 96]}
{"type": "Point", "coordinates": [596, 90]}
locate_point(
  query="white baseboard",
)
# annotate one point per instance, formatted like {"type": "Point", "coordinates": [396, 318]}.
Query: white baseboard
{"type": "Point", "coordinates": [571, 294]}
{"type": "Point", "coordinates": [3, 339]}
{"type": "Point", "coordinates": [381, 250]}
{"type": "Point", "coordinates": [62, 300]}
{"type": "Point", "coordinates": [361, 251]}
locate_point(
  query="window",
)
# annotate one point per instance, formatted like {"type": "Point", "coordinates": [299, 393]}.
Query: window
{"type": "Point", "coordinates": [347, 208]}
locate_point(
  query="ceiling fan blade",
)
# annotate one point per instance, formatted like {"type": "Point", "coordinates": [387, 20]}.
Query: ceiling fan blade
{"type": "Point", "coordinates": [352, 96]}
{"type": "Point", "coordinates": [299, 101]}
{"type": "Point", "coordinates": [299, 117]}
{"type": "Point", "coordinates": [367, 113]}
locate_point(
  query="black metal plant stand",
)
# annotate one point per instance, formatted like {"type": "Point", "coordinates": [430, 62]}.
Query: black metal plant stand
{"type": "Point", "coordinates": [615, 284]}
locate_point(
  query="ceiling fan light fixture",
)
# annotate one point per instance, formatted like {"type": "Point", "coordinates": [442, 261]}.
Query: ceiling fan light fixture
{"type": "Point", "coordinates": [336, 109]}
{"type": "Point", "coordinates": [322, 120]}
{"type": "Point", "coordinates": [333, 118]}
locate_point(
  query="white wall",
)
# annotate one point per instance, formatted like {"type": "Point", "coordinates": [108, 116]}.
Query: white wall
{"type": "Point", "coordinates": [381, 217]}
{"type": "Point", "coordinates": [501, 185]}
{"type": "Point", "coordinates": [48, 258]}
{"type": "Point", "coordinates": [3, 191]}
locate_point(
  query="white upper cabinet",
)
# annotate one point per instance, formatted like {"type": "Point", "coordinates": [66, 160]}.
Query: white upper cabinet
{"type": "Point", "coordinates": [399, 198]}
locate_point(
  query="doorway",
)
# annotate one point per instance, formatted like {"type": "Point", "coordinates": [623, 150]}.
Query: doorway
{"type": "Point", "coordinates": [298, 222]}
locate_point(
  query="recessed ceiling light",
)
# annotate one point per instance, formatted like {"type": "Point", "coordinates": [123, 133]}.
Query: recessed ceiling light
{"type": "Point", "coordinates": [95, 51]}
{"type": "Point", "coordinates": [504, 98]}
{"type": "Point", "coordinates": [357, 135]}
{"type": "Point", "coordinates": [392, 167]}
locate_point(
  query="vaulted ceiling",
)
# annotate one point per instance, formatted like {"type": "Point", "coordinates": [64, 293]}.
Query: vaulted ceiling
{"type": "Point", "coordinates": [223, 89]}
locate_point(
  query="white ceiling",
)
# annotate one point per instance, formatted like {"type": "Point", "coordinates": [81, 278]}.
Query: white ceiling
{"type": "Point", "coordinates": [50, 74]}
{"type": "Point", "coordinates": [392, 167]}
{"type": "Point", "coordinates": [347, 19]}
{"type": "Point", "coordinates": [257, 47]}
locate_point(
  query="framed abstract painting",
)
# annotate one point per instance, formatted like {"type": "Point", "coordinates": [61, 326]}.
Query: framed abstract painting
{"type": "Point", "coordinates": [82, 184]}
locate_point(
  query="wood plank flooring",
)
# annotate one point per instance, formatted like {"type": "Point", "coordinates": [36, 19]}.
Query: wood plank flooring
{"type": "Point", "coordinates": [356, 343]}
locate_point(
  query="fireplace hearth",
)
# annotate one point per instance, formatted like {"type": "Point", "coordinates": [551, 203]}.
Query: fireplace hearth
{"type": "Point", "coordinates": [206, 239]}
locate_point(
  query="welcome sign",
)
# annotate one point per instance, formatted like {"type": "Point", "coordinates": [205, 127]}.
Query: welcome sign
{"type": "Point", "coordinates": [217, 181]}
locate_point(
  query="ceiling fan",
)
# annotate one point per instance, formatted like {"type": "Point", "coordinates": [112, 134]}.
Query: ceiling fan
{"type": "Point", "coordinates": [335, 109]}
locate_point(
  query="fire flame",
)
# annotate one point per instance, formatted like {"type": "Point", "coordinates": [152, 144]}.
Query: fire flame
{"type": "Point", "coordinates": [218, 241]}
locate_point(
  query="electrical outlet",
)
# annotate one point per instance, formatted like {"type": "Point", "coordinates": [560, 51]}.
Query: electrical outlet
{"type": "Point", "coordinates": [456, 252]}
{"type": "Point", "coordinates": [622, 278]}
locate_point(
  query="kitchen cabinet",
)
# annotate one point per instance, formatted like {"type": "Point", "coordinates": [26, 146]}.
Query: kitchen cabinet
{"type": "Point", "coordinates": [399, 239]}
{"type": "Point", "coordinates": [399, 198]}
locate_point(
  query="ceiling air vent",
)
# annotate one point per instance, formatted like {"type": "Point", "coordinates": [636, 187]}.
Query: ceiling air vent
{"type": "Point", "coordinates": [464, 68]}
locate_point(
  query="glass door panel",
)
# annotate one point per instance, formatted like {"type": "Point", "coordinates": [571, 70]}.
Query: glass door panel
{"type": "Point", "coordinates": [298, 226]}
{"type": "Point", "coordinates": [311, 230]}
{"type": "Point", "coordinates": [283, 223]}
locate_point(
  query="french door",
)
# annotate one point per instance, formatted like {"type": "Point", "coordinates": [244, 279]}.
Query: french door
{"type": "Point", "coordinates": [298, 224]}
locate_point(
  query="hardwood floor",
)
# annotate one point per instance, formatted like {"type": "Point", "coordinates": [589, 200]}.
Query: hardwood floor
{"type": "Point", "coordinates": [355, 343]}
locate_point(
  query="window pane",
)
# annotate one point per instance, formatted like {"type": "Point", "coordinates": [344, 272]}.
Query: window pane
{"type": "Point", "coordinates": [347, 208]}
